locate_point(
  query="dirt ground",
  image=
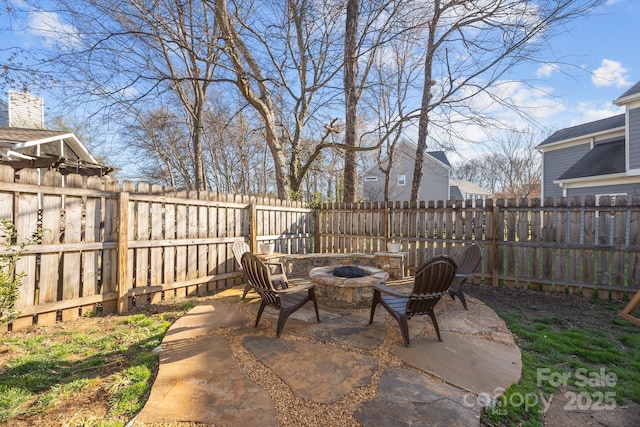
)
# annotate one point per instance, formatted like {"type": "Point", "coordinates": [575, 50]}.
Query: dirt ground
{"type": "Point", "coordinates": [575, 312]}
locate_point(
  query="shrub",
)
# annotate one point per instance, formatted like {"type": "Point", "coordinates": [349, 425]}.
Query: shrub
{"type": "Point", "coordinates": [10, 280]}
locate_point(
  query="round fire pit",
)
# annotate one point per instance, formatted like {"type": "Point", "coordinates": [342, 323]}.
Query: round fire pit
{"type": "Point", "coordinates": [346, 292]}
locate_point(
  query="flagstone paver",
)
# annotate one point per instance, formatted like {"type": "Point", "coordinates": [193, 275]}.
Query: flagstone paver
{"type": "Point", "coordinates": [322, 374]}
{"type": "Point", "coordinates": [211, 356]}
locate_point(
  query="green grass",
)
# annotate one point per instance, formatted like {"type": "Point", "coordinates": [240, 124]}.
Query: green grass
{"type": "Point", "coordinates": [554, 350]}
{"type": "Point", "coordinates": [49, 369]}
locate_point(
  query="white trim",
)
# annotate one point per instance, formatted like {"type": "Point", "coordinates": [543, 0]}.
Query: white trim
{"type": "Point", "coordinates": [26, 144]}
{"type": "Point", "coordinates": [632, 100]}
{"type": "Point", "coordinates": [12, 153]}
{"type": "Point", "coordinates": [598, 181]}
{"type": "Point", "coordinates": [626, 140]}
{"type": "Point", "coordinates": [633, 172]}
{"type": "Point", "coordinates": [74, 142]}
{"type": "Point", "coordinates": [402, 178]}
{"type": "Point", "coordinates": [584, 139]}
{"type": "Point", "coordinates": [370, 178]}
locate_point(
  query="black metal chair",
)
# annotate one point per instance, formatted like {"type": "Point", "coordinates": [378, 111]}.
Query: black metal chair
{"type": "Point", "coordinates": [467, 264]}
{"type": "Point", "coordinates": [287, 300]}
{"type": "Point", "coordinates": [431, 282]}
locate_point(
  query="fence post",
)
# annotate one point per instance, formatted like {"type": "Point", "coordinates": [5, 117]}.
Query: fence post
{"type": "Point", "coordinates": [123, 251]}
{"type": "Point", "coordinates": [316, 229]}
{"type": "Point", "coordinates": [495, 264]}
{"type": "Point", "coordinates": [253, 227]}
{"type": "Point", "coordinates": [387, 229]}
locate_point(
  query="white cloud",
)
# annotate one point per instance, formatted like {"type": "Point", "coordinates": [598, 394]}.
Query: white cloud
{"type": "Point", "coordinates": [589, 112]}
{"type": "Point", "coordinates": [49, 26]}
{"type": "Point", "coordinates": [546, 70]}
{"type": "Point", "coordinates": [610, 73]}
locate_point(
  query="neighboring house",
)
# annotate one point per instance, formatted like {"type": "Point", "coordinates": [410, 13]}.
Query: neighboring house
{"type": "Point", "coordinates": [24, 143]}
{"type": "Point", "coordinates": [465, 190]}
{"type": "Point", "coordinates": [596, 158]}
{"type": "Point", "coordinates": [435, 176]}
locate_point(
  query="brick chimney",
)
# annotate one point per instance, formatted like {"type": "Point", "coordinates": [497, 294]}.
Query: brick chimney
{"type": "Point", "coordinates": [22, 111]}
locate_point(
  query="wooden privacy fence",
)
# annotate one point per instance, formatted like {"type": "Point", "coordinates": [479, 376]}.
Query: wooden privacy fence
{"type": "Point", "coordinates": [574, 246]}
{"type": "Point", "coordinates": [107, 245]}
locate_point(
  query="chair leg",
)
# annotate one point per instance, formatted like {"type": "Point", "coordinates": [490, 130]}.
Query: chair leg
{"type": "Point", "coordinates": [260, 310]}
{"type": "Point", "coordinates": [462, 300]}
{"type": "Point", "coordinates": [374, 302]}
{"type": "Point", "coordinates": [312, 295]}
{"type": "Point", "coordinates": [247, 288]}
{"type": "Point", "coordinates": [282, 319]}
{"type": "Point", "coordinates": [458, 293]}
{"type": "Point", "coordinates": [404, 328]}
{"type": "Point", "coordinates": [435, 324]}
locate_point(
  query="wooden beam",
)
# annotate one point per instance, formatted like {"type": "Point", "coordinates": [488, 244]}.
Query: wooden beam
{"type": "Point", "coordinates": [633, 304]}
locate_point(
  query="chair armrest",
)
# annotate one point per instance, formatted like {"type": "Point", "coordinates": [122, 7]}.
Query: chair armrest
{"type": "Point", "coordinates": [298, 288]}
{"type": "Point", "coordinates": [387, 290]}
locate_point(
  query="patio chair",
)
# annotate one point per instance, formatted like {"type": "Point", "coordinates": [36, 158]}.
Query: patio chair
{"type": "Point", "coordinates": [467, 264]}
{"type": "Point", "coordinates": [287, 300]}
{"type": "Point", "coordinates": [431, 282]}
{"type": "Point", "coordinates": [239, 248]}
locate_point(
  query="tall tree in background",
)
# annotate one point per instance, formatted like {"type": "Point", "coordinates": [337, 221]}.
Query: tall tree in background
{"type": "Point", "coordinates": [282, 58]}
{"type": "Point", "coordinates": [137, 55]}
{"type": "Point", "coordinates": [351, 95]}
{"type": "Point", "coordinates": [470, 46]}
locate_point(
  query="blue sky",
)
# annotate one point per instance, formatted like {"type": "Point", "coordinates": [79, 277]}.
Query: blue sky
{"type": "Point", "coordinates": [606, 62]}
{"type": "Point", "coordinates": [601, 60]}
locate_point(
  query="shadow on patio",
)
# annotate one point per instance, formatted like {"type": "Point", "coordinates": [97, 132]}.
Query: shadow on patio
{"type": "Point", "coordinates": [216, 368]}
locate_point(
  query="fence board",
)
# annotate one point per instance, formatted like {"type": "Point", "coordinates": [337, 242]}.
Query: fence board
{"type": "Point", "coordinates": [26, 225]}
{"type": "Point", "coordinates": [142, 233]}
{"type": "Point", "coordinates": [92, 234]}
{"type": "Point", "coordinates": [50, 262]}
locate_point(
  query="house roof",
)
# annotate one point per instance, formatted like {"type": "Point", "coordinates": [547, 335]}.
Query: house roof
{"type": "Point", "coordinates": [634, 90]}
{"type": "Point", "coordinates": [440, 156]}
{"type": "Point", "coordinates": [586, 129]}
{"type": "Point", "coordinates": [469, 187]}
{"type": "Point", "coordinates": [19, 149]}
{"type": "Point", "coordinates": [603, 159]}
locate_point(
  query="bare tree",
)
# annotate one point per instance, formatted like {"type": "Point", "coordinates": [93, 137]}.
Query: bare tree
{"type": "Point", "coordinates": [396, 72]}
{"type": "Point", "coordinates": [135, 55]}
{"type": "Point", "coordinates": [158, 140]}
{"type": "Point", "coordinates": [511, 170]}
{"type": "Point", "coordinates": [469, 47]}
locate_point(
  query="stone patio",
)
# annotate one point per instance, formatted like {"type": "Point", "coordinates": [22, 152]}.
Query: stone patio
{"type": "Point", "coordinates": [217, 369]}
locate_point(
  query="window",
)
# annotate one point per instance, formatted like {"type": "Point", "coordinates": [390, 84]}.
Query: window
{"type": "Point", "coordinates": [613, 201]}
{"type": "Point", "coordinates": [613, 198]}
{"type": "Point", "coordinates": [402, 179]}
{"type": "Point", "coordinates": [370, 178]}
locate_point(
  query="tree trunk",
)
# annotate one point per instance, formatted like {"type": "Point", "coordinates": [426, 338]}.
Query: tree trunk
{"type": "Point", "coordinates": [351, 102]}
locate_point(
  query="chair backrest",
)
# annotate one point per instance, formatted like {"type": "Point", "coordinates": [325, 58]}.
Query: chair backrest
{"type": "Point", "coordinates": [469, 260]}
{"type": "Point", "coordinates": [260, 277]}
{"type": "Point", "coordinates": [239, 248]}
{"type": "Point", "coordinates": [431, 282]}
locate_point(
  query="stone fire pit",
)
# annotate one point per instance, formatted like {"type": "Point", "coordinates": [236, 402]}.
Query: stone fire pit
{"type": "Point", "coordinates": [346, 292]}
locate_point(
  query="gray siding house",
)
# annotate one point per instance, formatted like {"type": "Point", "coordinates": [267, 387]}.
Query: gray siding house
{"type": "Point", "coordinates": [595, 158]}
{"type": "Point", "coordinates": [435, 177]}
